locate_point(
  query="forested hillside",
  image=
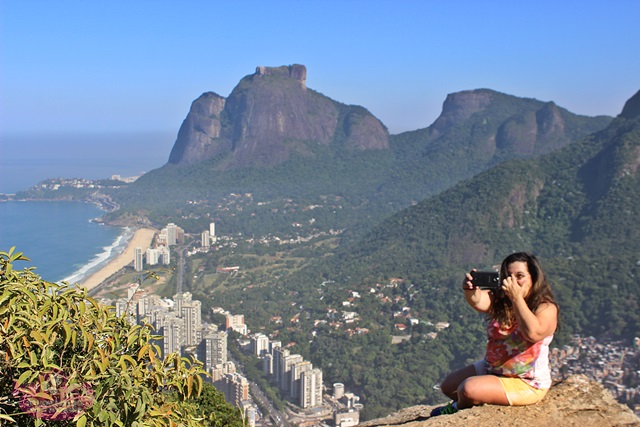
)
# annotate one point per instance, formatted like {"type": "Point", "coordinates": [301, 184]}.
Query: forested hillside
{"type": "Point", "coordinates": [576, 208]}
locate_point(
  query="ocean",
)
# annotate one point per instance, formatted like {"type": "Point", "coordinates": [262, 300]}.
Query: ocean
{"type": "Point", "coordinates": [59, 238]}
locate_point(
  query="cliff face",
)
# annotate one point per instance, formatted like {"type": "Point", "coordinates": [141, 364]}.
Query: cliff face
{"type": "Point", "coordinates": [574, 402]}
{"type": "Point", "coordinates": [503, 125]}
{"type": "Point", "coordinates": [268, 117]}
{"type": "Point", "coordinates": [631, 108]}
{"type": "Point", "coordinates": [198, 137]}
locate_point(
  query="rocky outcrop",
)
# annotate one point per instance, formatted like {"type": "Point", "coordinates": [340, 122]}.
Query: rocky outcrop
{"type": "Point", "coordinates": [198, 137]}
{"type": "Point", "coordinates": [576, 401]}
{"type": "Point", "coordinates": [631, 108]}
{"type": "Point", "coordinates": [533, 132]}
{"type": "Point", "coordinates": [296, 71]}
{"type": "Point", "coordinates": [268, 118]}
{"type": "Point", "coordinates": [459, 106]}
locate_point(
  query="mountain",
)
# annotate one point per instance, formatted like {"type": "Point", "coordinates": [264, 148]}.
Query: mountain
{"type": "Point", "coordinates": [479, 129]}
{"type": "Point", "coordinates": [577, 208]}
{"type": "Point", "coordinates": [275, 138]}
{"type": "Point", "coordinates": [269, 116]}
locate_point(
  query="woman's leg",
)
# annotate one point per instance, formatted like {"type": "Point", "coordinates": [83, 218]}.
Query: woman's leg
{"type": "Point", "coordinates": [452, 381]}
{"type": "Point", "coordinates": [477, 390]}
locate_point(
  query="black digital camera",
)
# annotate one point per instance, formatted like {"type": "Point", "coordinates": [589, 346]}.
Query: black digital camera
{"type": "Point", "coordinates": [486, 280]}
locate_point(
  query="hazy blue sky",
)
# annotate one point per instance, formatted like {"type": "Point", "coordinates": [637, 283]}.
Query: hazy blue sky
{"type": "Point", "coordinates": [78, 67]}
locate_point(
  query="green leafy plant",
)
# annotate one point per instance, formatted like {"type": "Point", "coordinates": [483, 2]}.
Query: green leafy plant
{"type": "Point", "coordinates": [68, 360]}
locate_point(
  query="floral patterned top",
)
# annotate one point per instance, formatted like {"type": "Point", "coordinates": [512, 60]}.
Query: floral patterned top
{"type": "Point", "coordinates": [509, 354]}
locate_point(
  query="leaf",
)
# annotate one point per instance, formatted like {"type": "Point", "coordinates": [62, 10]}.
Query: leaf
{"type": "Point", "coordinates": [7, 417]}
{"type": "Point", "coordinates": [142, 350]}
{"type": "Point", "coordinates": [43, 395]}
{"type": "Point", "coordinates": [38, 337]}
{"type": "Point", "coordinates": [33, 358]}
{"type": "Point", "coordinates": [67, 333]}
{"type": "Point", "coordinates": [82, 421]}
{"type": "Point", "coordinates": [189, 385]}
{"type": "Point", "coordinates": [25, 375]}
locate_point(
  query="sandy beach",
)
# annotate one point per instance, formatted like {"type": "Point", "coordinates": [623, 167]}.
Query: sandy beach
{"type": "Point", "coordinates": [142, 238]}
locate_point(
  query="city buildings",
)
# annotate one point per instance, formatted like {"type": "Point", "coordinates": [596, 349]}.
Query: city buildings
{"type": "Point", "coordinates": [236, 322]}
{"type": "Point", "coordinates": [137, 260]}
{"type": "Point", "coordinates": [205, 239]}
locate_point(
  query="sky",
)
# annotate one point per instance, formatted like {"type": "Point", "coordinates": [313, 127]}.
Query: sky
{"type": "Point", "coordinates": [105, 85]}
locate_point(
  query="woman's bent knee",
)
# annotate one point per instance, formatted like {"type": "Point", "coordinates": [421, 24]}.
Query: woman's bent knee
{"type": "Point", "coordinates": [450, 384]}
{"type": "Point", "coordinates": [480, 390]}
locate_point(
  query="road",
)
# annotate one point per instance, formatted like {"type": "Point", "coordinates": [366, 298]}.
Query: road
{"type": "Point", "coordinates": [181, 252]}
{"type": "Point", "coordinates": [277, 416]}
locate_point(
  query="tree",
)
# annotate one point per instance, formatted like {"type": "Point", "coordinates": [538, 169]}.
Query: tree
{"type": "Point", "coordinates": [215, 411]}
{"type": "Point", "coordinates": [68, 360]}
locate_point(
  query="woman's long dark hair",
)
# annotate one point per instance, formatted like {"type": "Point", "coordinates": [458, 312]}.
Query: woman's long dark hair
{"type": "Point", "coordinates": [501, 308]}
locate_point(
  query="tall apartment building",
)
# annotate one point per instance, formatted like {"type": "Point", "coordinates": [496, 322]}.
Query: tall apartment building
{"type": "Point", "coordinates": [205, 239]}
{"type": "Point", "coordinates": [311, 389]}
{"type": "Point", "coordinates": [235, 388]}
{"type": "Point", "coordinates": [174, 234]}
{"type": "Point", "coordinates": [279, 354]}
{"type": "Point", "coordinates": [153, 256]}
{"type": "Point", "coordinates": [171, 328]}
{"type": "Point", "coordinates": [296, 377]}
{"type": "Point", "coordinates": [267, 364]}
{"type": "Point", "coordinates": [170, 235]}
{"type": "Point", "coordinates": [273, 345]}
{"type": "Point", "coordinates": [212, 350]}
{"type": "Point", "coordinates": [212, 232]}
{"type": "Point", "coordinates": [164, 254]}
{"type": "Point", "coordinates": [191, 312]}
{"type": "Point", "coordinates": [236, 322]}
{"type": "Point", "coordinates": [221, 370]}
{"type": "Point", "coordinates": [285, 373]}
{"type": "Point", "coordinates": [259, 344]}
{"type": "Point", "coordinates": [147, 307]}
{"type": "Point", "coordinates": [137, 260]}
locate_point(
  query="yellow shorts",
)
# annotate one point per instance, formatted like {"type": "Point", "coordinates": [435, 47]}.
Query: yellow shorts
{"type": "Point", "coordinates": [520, 393]}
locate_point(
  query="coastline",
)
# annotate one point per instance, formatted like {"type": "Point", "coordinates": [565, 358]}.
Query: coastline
{"type": "Point", "coordinates": [142, 238]}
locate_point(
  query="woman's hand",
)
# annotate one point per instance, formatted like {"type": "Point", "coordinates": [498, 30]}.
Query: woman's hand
{"type": "Point", "coordinates": [515, 289]}
{"type": "Point", "coordinates": [467, 283]}
{"type": "Point", "coordinates": [477, 298]}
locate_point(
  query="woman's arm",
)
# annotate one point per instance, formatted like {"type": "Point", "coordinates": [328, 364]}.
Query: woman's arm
{"type": "Point", "coordinates": [539, 325]}
{"type": "Point", "coordinates": [534, 326]}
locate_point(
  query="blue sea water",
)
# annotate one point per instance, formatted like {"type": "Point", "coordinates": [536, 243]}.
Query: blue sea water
{"type": "Point", "coordinates": [59, 238]}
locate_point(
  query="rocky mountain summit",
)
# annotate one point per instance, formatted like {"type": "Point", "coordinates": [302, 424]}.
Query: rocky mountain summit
{"type": "Point", "coordinates": [269, 117]}
{"type": "Point", "coordinates": [576, 401]}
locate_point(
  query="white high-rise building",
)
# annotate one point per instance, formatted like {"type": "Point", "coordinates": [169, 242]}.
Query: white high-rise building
{"type": "Point", "coordinates": [205, 240]}
{"type": "Point", "coordinates": [285, 373]}
{"type": "Point", "coordinates": [172, 234]}
{"type": "Point", "coordinates": [192, 315]}
{"type": "Point", "coordinates": [279, 353]}
{"type": "Point", "coordinates": [153, 256]}
{"type": "Point", "coordinates": [212, 230]}
{"type": "Point", "coordinates": [190, 311]}
{"type": "Point", "coordinates": [311, 389]}
{"type": "Point", "coordinates": [212, 350]}
{"type": "Point", "coordinates": [259, 344]}
{"type": "Point", "coordinates": [137, 261]}
{"type": "Point", "coordinates": [171, 328]}
{"type": "Point", "coordinates": [164, 255]}
{"type": "Point", "coordinates": [296, 377]}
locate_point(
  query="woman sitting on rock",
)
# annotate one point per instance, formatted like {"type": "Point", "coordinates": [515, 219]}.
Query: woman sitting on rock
{"type": "Point", "coordinates": [523, 316]}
